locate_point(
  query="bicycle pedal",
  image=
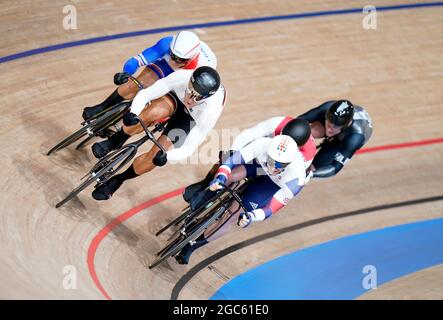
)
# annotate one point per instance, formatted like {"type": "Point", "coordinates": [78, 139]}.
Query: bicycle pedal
{"type": "Point", "coordinates": [99, 183]}
{"type": "Point", "coordinates": [97, 168]}
{"type": "Point", "coordinates": [105, 133]}
{"type": "Point", "coordinates": [89, 132]}
{"type": "Point", "coordinates": [103, 179]}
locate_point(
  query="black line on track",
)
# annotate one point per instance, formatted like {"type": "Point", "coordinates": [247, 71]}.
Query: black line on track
{"type": "Point", "coordinates": [206, 262]}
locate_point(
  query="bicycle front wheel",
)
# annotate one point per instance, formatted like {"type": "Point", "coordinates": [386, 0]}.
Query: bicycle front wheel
{"type": "Point", "coordinates": [108, 118]}
{"type": "Point", "coordinates": [179, 243]}
{"type": "Point", "coordinates": [102, 171]}
{"type": "Point", "coordinates": [71, 139]}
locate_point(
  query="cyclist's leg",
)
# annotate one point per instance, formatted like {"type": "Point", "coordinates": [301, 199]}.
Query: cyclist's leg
{"type": "Point", "coordinates": [192, 189]}
{"type": "Point", "coordinates": [220, 228]}
{"type": "Point", "coordinates": [325, 156]}
{"type": "Point", "coordinates": [143, 163]}
{"type": "Point", "coordinates": [237, 174]}
{"type": "Point", "coordinates": [201, 196]}
{"type": "Point", "coordinates": [150, 74]}
{"type": "Point", "coordinates": [158, 109]}
{"type": "Point", "coordinates": [129, 89]}
{"type": "Point", "coordinates": [125, 91]}
{"type": "Point", "coordinates": [175, 133]}
{"type": "Point", "coordinates": [256, 195]}
{"type": "Point", "coordinates": [225, 224]}
{"type": "Point", "coordinates": [179, 121]}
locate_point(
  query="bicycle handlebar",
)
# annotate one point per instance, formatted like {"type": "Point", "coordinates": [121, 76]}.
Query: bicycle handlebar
{"type": "Point", "coordinates": [150, 135]}
{"type": "Point", "coordinates": [235, 195]}
{"type": "Point", "coordinates": [145, 128]}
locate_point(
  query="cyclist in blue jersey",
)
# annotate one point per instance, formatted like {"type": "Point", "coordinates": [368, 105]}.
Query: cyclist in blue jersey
{"type": "Point", "coordinates": [182, 51]}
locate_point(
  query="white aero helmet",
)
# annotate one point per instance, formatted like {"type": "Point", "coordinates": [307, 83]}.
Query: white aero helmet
{"type": "Point", "coordinates": [185, 45]}
{"type": "Point", "coordinates": [281, 152]}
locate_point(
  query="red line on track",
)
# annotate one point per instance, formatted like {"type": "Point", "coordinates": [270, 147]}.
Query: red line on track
{"type": "Point", "coordinates": [128, 214]}
{"type": "Point", "coordinates": [401, 145]}
{"type": "Point", "coordinates": [111, 225]}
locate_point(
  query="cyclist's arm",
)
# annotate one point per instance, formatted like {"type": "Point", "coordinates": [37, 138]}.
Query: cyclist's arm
{"type": "Point", "coordinates": [318, 113]}
{"type": "Point", "coordinates": [262, 129]}
{"type": "Point", "coordinates": [199, 132]}
{"type": "Point", "coordinates": [350, 145]}
{"type": "Point", "coordinates": [158, 89]}
{"type": "Point", "coordinates": [242, 156]}
{"type": "Point", "coordinates": [195, 137]}
{"type": "Point", "coordinates": [278, 201]}
{"type": "Point", "coordinates": [208, 54]}
{"type": "Point", "coordinates": [148, 56]}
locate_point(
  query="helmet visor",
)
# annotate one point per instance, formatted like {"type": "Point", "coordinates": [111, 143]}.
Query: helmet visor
{"type": "Point", "coordinates": [176, 58]}
{"type": "Point", "coordinates": [336, 121]}
{"type": "Point", "coordinates": [276, 166]}
{"type": "Point", "coordinates": [193, 94]}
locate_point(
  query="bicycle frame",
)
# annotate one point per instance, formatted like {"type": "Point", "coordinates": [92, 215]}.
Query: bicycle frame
{"type": "Point", "coordinates": [191, 230]}
{"type": "Point", "coordinates": [150, 135]}
{"type": "Point", "coordinates": [103, 170]}
{"type": "Point", "coordinates": [226, 203]}
{"type": "Point", "coordinates": [134, 146]}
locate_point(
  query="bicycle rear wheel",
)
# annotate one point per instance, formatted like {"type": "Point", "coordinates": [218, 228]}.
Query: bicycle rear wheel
{"type": "Point", "coordinates": [179, 243]}
{"type": "Point", "coordinates": [71, 139]}
{"type": "Point", "coordinates": [91, 127]}
{"type": "Point", "coordinates": [174, 222]}
{"type": "Point", "coordinates": [103, 170]}
{"type": "Point", "coordinates": [188, 214]}
{"type": "Point", "coordinates": [81, 144]}
{"type": "Point", "coordinates": [191, 220]}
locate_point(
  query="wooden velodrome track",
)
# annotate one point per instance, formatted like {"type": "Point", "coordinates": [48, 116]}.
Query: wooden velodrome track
{"type": "Point", "coordinates": [280, 67]}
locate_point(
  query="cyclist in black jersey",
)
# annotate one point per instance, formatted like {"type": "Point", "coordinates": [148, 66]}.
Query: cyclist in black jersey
{"type": "Point", "coordinates": [345, 129]}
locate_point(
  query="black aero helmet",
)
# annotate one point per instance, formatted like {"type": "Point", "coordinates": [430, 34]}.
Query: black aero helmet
{"type": "Point", "coordinates": [299, 130]}
{"type": "Point", "coordinates": [341, 113]}
{"type": "Point", "coordinates": [205, 81]}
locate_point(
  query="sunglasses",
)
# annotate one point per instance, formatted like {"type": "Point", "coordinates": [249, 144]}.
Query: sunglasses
{"type": "Point", "coordinates": [194, 95]}
{"type": "Point", "coordinates": [277, 165]}
{"type": "Point", "coordinates": [335, 126]}
{"type": "Point", "coordinates": [177, 59]}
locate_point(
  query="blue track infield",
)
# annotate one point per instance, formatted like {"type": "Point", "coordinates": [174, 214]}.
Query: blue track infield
{"type": "Point", "coordinates": [334, 270]}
